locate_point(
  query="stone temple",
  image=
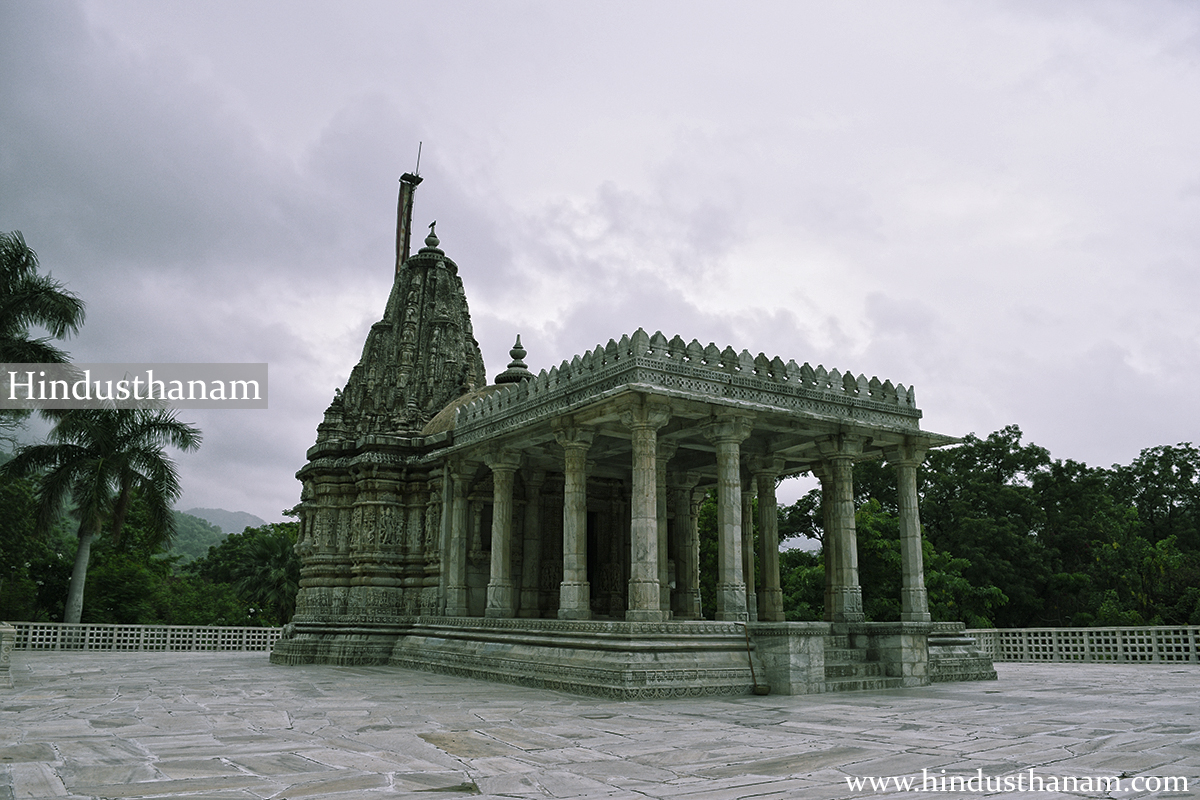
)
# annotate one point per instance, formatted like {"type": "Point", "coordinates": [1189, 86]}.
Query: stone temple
{"type": "Point", "coordinates": [542, 529]}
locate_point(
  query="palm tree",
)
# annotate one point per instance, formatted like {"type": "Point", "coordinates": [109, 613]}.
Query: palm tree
{"type": "Point", "coordinates": [270, 575]}
{"type": "Point", "coordinates": [28, 299]}
{"type": "Point", "coordinates": [97, 458]}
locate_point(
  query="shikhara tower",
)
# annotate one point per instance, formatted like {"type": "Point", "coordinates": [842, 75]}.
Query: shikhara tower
{"type": "Point", "coordinates": [543, 529]}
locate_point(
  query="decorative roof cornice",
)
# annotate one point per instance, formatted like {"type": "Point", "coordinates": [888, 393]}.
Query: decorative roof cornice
{"type": "Point", "coordinates": [692, 371]}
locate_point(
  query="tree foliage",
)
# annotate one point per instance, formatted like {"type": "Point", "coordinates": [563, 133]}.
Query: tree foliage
{"type": "Point", "coordinates": [99, 460]}
{"type": "Point", "coordinates": [261, 565]}
{"type": "Point", "coordinates": [1015, 538]}
{"type": "Point", "coordinates": [30, 300]}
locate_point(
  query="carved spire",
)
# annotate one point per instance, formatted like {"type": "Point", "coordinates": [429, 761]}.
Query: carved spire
{"type": "Point", "coordinates": [517, 370]}
{"type": "Point", "coordinates": [418, 358]}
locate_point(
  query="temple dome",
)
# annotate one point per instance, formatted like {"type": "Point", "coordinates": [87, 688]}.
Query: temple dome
{"type": "Point", "coordinates": [444, 419]}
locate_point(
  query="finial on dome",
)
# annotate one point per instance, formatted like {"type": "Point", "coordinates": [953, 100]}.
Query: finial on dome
{"type": "Point", "coordinates": [517, 370]}
{"type": "Point", "coordinates": [432, 240]}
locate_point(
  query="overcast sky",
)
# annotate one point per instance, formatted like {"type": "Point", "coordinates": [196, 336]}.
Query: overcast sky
{"type": "Point", "coordinates": [996, 202]}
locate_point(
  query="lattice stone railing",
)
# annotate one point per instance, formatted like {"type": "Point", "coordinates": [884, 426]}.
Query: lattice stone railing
{"type": "Point", "coordinates": [697, 370]}
{"type": "Point", "coordinates": [62, 636]}
{"type": "Point", "coordinates": [1123, 644]}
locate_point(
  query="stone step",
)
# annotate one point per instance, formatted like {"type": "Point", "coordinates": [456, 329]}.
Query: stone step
{"type": "Point", "coordinates": [861, 684]}
{"type": "Point", "coordinates": [869, 669]}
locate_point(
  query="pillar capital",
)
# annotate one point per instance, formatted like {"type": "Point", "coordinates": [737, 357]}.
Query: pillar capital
{"type": "Point", "coordinates": [503, 460]}
{"type": "Point", "coordinates": [641, 412]}
{"type": "Point", "coordinates": [664, 451]}
{"type": "Point", "coordinates": [728, 428]}
{"type": "Point", "coordinates": [569, 435]}
{"type": "Point", "coordinates": [534, 479]}
{"type": "Point", "coordinates": [765, 465]}
{"type": "Point", "coordinates": [685, 481]}
{"type": "Point", "coordinates": [461, 472]}
{"type": "Point", "coordinates": [908, 454]}
{"type": "Point", "coordinates": [842, 445]}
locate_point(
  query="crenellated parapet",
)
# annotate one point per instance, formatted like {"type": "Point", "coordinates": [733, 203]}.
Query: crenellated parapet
{"type": "Point", "coordinates": [690, 370]}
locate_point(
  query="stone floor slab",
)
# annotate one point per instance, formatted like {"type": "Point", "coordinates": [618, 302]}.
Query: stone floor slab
{"type": "Point", "coordinates": [158, 725]}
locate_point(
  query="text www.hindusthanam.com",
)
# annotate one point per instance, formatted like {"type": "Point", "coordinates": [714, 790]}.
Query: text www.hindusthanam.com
{"type": "Point", "coordinates": [1027, 781]}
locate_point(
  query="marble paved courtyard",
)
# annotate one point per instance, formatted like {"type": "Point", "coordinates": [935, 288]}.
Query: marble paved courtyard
{"type": "Point", "coordinates": [230, 725]}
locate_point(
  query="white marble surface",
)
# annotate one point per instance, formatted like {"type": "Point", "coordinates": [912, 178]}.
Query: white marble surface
{"type": "Point", "coordinates": [230, 725]}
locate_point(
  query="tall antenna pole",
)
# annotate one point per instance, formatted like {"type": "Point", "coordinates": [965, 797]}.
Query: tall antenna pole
{"type": "Point", "coordinates": [404, 212]}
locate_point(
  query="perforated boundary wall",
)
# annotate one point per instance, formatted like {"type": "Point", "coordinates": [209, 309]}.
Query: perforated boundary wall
{"type": "Point", "coordinates": [1172, 644]}
{"type": "Point", "coordinates": [61, 636]}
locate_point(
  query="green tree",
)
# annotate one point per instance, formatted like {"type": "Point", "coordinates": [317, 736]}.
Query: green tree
{"type": "Point", "coordinates": [30, 300]}
{"type": "Point", "coordinates": [262, 567]}
{"type": "Point", "coordinates": [1163, 484]}
{"type": "Point", "coordinates": [802, 581]}
{"type": "Point", "coordinates": [979, 504]}
{"type": "Point", "coordinates": [98, 459]}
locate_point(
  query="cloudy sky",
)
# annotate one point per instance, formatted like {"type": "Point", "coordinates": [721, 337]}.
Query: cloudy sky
{"type": "Point", "coordinates": [997, 202]}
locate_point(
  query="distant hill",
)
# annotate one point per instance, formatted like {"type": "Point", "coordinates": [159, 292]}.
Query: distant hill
{"type": "Point", "coordinates": [193, 537]}
{"type": "Point", "coordinates": [227, 521]}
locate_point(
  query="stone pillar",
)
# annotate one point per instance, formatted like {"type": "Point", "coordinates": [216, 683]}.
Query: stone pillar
{"type": "Point", "coordinates": [914, 601]}
{"type": "Point", "coordinates": [456, 551]}
{"type": "Point", "coordinates": [770, 599]}
{"type": "Point", "coordinates": [687, 566]}
{"type": "Point", "coordinates": [501, 600]}
{"type": "Point", "coordinates": [531, 563]}
{"type": "Point", "coordinates": [643, 419]}
{"type": "Point", "coordinates": [846, 594]}
{"type": "Point", "coordinates": [727, 433]}
{"type": "Point", "coordinates": [8, 638]}
{"type": "Point", "coordinates": [748, 554]}
{"type": "Point", "coordinates": [697, 500]}
{"type": "Point", "coordinates": [829, 542]}
{"type": "Point", "coordinates": [663, 453]}
{"type": "Point", "coordinates": [574, 594]}
{"type": "Point", "coordinates": [444, 538]}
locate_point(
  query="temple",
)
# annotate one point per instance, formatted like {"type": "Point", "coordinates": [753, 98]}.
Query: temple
{"type": "Point", "coordinates": [542, 529]}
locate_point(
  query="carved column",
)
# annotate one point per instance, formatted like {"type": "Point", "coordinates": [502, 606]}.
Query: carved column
{"type": "Point", "coordinates": [574, 594]}
{"type": "Point", "coordinates": [727, 434]}
{"type": "Point", "coordinates": [846, 594]}
{"type": "Point", "coordinates": [770, 599]}
{"type": "Point", "coordinates": [643, 419]}
{"type": "Point", "coordinates": [444, 537]}
{"type": "Point", "coordinates": [501, 601]}
{"type": "Point", "coordinates": [456, 552]}
{"type": "Point", "coordinates": [829, 542]}
{"type": "Point", "coordinates": [663, 454]}
{"type": "Point", "coordinates": [687, 567]}
{"type": "Point", "coordinates": [914, 600]}
{"type": "Point", "coordinates": [748, 553]}
{"type": "Point", "coordinates": [531, 564]}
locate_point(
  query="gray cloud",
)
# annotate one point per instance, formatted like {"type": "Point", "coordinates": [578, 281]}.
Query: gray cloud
{"type": "Point", "coordinates": [993, 202]}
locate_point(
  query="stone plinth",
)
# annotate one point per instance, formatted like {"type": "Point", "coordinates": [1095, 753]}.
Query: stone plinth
{"type": "Point", "coordinates": [8, 639]}
{"type": "Point", "coordinates": [955, 656]}
{"type": "Point", "coordinates": [344, 644]}
{"type": "Point", "coordinates": [792, 655]}
{"type": "Point", "coordinates": [899, 647]}
{"type": "Point", "coordinates": [620, 660]}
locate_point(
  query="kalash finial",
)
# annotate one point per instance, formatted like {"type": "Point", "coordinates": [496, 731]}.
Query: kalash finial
{"type": "Point", "coordinates": [517, 371]}
{"type": "Point", "coordinates": [432, 240]}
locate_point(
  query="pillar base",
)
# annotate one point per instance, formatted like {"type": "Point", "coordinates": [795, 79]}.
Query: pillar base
{"type": "Point", "coordinates": [499, 601]}
{"type": "Point", "coordinates": [575, 601]}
